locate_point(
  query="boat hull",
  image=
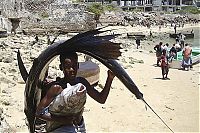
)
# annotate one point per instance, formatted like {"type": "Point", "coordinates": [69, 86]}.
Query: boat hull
{"type": "Point", "coordinates": [187, 35]}
{"type": "Point", "coordinates": [135, 35]}
{"type": "Point", "coordinates": [90, 71]}
{"type": "Point", "coordinates": [178, 62]}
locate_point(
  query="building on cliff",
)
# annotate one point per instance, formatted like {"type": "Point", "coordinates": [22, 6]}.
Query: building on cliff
{"type": "Point", "coordinates": [156, 5]}
{"type": "Point", "coordinates": [151, 5]}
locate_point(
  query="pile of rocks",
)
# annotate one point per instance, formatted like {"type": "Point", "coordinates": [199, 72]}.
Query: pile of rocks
{"type": "Point", "coordinates": [11, 83]}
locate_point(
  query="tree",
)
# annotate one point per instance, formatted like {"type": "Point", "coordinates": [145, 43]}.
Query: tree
{"type": "Point", "coordinates": [97, 9]}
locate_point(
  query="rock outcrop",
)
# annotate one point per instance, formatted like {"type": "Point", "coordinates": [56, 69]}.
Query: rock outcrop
{"type": "Point", "coordinates": [41, 16]}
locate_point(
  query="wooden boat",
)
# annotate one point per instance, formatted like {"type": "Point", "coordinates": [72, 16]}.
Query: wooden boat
{"type": "Point", "coordinates": [187, 35]}
{"type": "Point", "coordinates": [176, 63]}
{"type": "Point", "coordinates": [90, 71]}
{"type": "Point", "coordinates": [3, 33]}
{"type": "Point", "coordinates": [136, 35]}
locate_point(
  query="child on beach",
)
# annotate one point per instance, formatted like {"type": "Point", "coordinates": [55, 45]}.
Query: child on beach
{"type": "Point", "coordinates": [164, 65]}
{"type": "Point", "coordinates": [63, 104]}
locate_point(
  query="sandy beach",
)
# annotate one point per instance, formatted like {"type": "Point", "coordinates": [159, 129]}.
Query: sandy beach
{"type": "Point", "coordinates": [176, 100]}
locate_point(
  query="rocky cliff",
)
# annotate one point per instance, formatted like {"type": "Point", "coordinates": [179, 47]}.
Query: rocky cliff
{"type": "Point", "coordinates": [44, 16]}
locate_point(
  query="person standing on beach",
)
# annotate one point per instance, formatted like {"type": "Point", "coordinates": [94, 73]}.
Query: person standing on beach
{"type": "Point", "coordinates": [150, 34]}
{"type": "Point", "coordinates": [177, 39]}
{"type": "Point", "coordinates": [63, 104]}
{"type": "Point", "coordinates": [166, 47]}
{"type": "Point", "coordinates": [158, 48]}
{"type": "Point", "coordinates": [159, 27]}
{"type": "Point", "coordinates": [164, 65]}
{"type": "Point", "coordinates": [178, 47]}
{"type": "Point", "coordinates": [172, 53]}
{"type": "Point", "coordinates": [187, 60]}
{"type": "Point", "coordinates": [182, 40]}
{"type": "Point", "coordinates": [137, 42]}
{"type": "Point", "coordinates": [175, 28]}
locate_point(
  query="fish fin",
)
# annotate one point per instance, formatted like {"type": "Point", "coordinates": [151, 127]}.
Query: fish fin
{"type": "Point", "coordinates": [22, 68]}
{"type": "Point", "coordinates": [101, 45]}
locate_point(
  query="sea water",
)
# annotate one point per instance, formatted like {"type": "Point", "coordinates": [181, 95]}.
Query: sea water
{"type": "Point", "coordinates": [195, 42]}
{"type": "Point", "coordinates": [164, 37]}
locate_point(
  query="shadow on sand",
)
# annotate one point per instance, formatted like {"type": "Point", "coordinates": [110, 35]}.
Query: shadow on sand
{"type": "Point", "coordinates": [162, 78]}
{"type": "Point", "coordinates": [155, 65]}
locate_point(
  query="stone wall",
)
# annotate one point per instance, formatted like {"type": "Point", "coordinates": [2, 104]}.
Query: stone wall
{"type": "Point", "coordinates": [51, 15]}
{"type": "Point", "coordinates": [63, 17]}
{"type": "Point", "coordinates": [11, 8]}
{"type": "Point", "coordinates": [4, 23]}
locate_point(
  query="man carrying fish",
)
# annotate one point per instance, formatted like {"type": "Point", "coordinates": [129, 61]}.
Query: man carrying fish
{"type": "Point", "coordinates": [63, 104]}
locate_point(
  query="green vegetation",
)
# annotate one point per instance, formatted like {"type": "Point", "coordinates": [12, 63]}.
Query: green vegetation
{"type": "Point", "coordinates": [95, 8]}
{"type": "Point", "coordinates": [137, 10]}
{"type": "Point", "coordinates": [98, 9]}
{"type": "Point", "coordinates": [76, 1]}
{"type": "Point", "coordinates": [44, 14]}
{"type": "Point", "coordinates": [188, 9]}
{"type": "Point", "coordinates": [110, 8]}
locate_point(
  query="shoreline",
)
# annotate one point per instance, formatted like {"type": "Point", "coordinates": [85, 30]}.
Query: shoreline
{"type": "Point", "coordinates": [162, 35]}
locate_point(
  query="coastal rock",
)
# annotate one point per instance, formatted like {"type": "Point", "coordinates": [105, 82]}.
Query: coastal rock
{"type": "Point", "coordinates": [4, 80]}
{"type": "Point", "coordinates": [5, 128]}
{"type": "Point", "coordinates": [8, 59]}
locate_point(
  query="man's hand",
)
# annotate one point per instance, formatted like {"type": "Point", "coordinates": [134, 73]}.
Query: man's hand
{"type": "Point", "coordinates": [111, 75]}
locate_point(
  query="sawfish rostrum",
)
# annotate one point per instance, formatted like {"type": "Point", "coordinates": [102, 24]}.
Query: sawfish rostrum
{"type": "Point", "coordinates": [91, 43]}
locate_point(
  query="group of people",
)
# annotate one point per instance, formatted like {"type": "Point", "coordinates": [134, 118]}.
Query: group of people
{"type": "Point", "coordinates": [162, 54]}
{"type": "Point", "coordinates": [165, 55]}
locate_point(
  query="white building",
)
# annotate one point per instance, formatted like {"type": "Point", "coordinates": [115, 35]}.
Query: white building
{"type": "Point", "coordinates": [154, 5]}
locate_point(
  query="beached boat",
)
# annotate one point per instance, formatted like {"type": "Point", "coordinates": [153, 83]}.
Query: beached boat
{"type": "Point", "coordinates": [3, 33]}
{"type": "Point", "coordinates": [90, 71]}
{"type": "Point", "coordinates": [139, 35]}
{"type": "Point", "coordinates": [176, 63]}
{"type": "Point", "coordinates": [187, 35]}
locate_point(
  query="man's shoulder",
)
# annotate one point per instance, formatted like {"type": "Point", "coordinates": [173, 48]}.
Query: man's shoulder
{"type": "Point", "coordinates": [83, 81]}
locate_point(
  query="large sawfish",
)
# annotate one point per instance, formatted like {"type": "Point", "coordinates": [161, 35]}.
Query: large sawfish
{"type": "Point", "coordinates": [91, 43]}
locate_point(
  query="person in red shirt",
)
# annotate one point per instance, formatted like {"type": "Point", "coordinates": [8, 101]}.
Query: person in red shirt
{"type": "Point", "coordinates": [164, 65]}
